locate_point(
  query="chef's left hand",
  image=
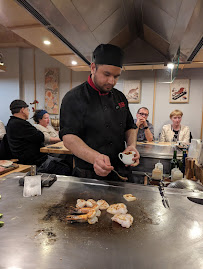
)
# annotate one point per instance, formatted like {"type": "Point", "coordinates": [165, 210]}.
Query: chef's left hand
{"type": "Point", "coordinates": [137, 155]}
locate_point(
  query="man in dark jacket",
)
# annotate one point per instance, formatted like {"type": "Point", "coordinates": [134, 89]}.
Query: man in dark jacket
{"type": "Point", "coordinates": [95, 119]}
{"type": "Point", "coordinates": [25, 142]}
{"type": "Point", "coordinates": [23, 138]}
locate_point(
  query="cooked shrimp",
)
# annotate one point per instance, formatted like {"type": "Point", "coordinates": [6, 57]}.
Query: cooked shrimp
{"type": "Point", "coordinates": [77, 218]}
{"type": "Point", "coordinates": [125, 220]}
{"type": "Point", "coordinates": [90, 203]}
{"type": "Point", "coordinates": [83, 217]}
{"type": "Point", "coordinates": [117, 209]}
{"type": "Point", "coordinates": [93, 220]}
{"type": "Point", "coordinates": [98, 213]}
{"type": "Point", "coordinates": [102, 204]}
{"type": "Point", "coordinates": [129, 197]}
{"type": "Point", "coordinates": [80, 203]}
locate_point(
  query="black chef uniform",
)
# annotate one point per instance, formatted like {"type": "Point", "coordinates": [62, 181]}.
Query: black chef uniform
{"type": "Point", "coordinates": [100, 120]}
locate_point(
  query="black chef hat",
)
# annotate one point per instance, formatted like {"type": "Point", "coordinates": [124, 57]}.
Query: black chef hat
{"type": "Point", "coordinates": [108, 54]}
{"type": "Point", "coordinates": [18, 104]}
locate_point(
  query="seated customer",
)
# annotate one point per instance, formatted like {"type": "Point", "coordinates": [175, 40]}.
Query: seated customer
{"type": "Point", "coordinates": [175, 131]}
{"type": "Point", "coordinates": [25, 141]}
{"type": "Point", "coordinates": [41, 117]}
{"type": "Point", "coordinates": [146, 129]}
{"type": "Point", "coordinates": [2, 130]}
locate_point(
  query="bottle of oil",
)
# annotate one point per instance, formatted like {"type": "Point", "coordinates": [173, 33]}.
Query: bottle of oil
{"type": "Point", "coordinates": [182, 162]}
{"type": "Point", "coordinates": [174, 161]}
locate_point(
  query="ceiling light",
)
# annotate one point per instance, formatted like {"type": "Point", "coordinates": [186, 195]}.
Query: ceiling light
{"type": "Point", "coordinates": [47, 42]}
{"type": "Point", "coordinates": [74, 62]}
{"type": "Point", "coordinates": [170, 65]}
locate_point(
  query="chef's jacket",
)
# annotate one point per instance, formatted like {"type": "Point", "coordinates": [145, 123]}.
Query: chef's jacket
{"type": "Point", "coordinates": [99, 119]}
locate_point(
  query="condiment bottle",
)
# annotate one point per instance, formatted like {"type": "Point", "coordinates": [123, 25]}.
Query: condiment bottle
{"type": "Point", "coordinates": [174, 161]}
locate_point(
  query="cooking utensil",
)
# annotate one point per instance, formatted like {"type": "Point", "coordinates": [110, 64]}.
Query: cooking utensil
{"type": "Point", "coordinates": [32, 186]}
{"type": "Point", "coordinates": [165, 200]}
{"type": "Point", "coordinates": [196, 200]}
{"type": "Point", "coordinates": [121, 177]}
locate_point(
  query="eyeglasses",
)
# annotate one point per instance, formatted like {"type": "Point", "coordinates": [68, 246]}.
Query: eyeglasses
{"type": "Point", "coordinates": [144, 114]}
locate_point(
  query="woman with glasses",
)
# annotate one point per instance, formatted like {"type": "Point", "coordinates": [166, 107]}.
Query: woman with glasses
{"type": "Point", "coordinates": [41, 117]}
{"type": "Point", "coordinates": [176, 131]}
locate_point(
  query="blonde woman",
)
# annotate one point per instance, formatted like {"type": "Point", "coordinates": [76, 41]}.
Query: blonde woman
{"type": "Point", "coordinates": [175, 131]}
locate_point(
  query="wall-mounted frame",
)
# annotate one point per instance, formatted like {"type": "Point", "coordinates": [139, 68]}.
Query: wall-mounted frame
{"type": "Point", "coordinates": [179, 91]}
{"type": "Point", "coordinates": [52, 90]}
{"type": "Point", "coordinates": [132, 90]}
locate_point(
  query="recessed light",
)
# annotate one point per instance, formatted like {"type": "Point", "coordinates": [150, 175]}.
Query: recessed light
{"type": "Point", "coordinates": [47, 42]}
{"type": "Point", "coordinates": [170, 65]}
{"type": "Point", "coordinates": [74, 62]}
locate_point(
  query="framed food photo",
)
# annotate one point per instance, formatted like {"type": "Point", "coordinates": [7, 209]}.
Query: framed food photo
{"type": "Point", "coordinates": [52, 90]}
{"type": "Point", "coordinates": [132, 90]}
{"type": "Point", "coordinates": [179, 91]}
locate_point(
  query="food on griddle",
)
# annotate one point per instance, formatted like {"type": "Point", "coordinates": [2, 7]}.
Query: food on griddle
{"type": "Point", "coordinates": [98, 213]}
{"type": "Point", "coordinates": [90, 203]}
{"type": "Point", "coordinates": [125, 220]}
{"type": "Point", "coordinates": [119, 208]}
{"type": "Point", "coordinates": [129, 197]}
{"type": "Point", "coordinates": [83, 217]}
{"type": "Point", "coordinates": [84, 210]}
{"type": "Point", "coordinates": [103, 205]}
{"type": "Point", "coordinates": [92, 220]}
{"type": "Point", "coordinates": [85, 214]}
{"type": "Point", "coordinates": [80, 203]}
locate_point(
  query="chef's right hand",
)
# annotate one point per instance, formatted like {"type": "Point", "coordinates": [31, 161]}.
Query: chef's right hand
{"type": "Point", "coordinates": [102, 165]}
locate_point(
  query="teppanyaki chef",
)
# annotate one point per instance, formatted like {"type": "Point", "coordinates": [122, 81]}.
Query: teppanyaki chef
{"type": "Point", "coordinates": [95, 120]}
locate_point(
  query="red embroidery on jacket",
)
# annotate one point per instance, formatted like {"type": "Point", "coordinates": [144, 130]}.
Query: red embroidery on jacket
{"type": "Point", "coordinates": [121, 104]}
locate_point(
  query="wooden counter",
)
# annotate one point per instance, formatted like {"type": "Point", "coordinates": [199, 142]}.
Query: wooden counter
{"type": "Point", "coordinates": [21, 168]}
{"type": "Point", "coordinates": [57, 148]}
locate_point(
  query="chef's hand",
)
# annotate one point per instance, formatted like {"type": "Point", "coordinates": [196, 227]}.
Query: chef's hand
{"type": "Point", "coordinates": [136, 157]}
{"type": "Point", "coordinates": [102, 165]}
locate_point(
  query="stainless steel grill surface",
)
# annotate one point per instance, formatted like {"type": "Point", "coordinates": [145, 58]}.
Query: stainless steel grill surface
{"type": "Point", "coordinates": [35, 234]}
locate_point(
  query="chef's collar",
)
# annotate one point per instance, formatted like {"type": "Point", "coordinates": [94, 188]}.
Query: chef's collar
{"type": "Point", "coordinates": [91, 83]}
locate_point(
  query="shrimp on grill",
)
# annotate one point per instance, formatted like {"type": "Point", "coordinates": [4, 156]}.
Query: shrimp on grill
{"type": "Point", "coordinates": [83, 210]}
{"type": "Point", "coordinates": [102, 204]}
{"type": "Point", "coordinates": [84, 214]}
{"type": "Point", "coordinates": [92, 220]}
{"type": "Point", "coordinates": [117, 209]}
{"type": "Point", "coordinates": [125, 220]}
{"type": "Point", "coordinates": [83, 217]}
{"type": "Point", "coordinates": [90, 203]}
{"type": "Point", "coordinates": [80, 203]}
{"type": "Point", "coordinates": [129, 197]}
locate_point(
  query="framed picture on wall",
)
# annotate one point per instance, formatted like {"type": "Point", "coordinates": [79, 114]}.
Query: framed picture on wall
{"type": "Point", "coordinates": [132, 90]}
{"type": "Point", "coordinates": [52, 90]}
{"type": "Point", "coordinates": [179, 91]}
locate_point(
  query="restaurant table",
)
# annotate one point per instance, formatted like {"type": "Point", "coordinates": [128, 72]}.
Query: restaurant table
{"type": "Point", "coordinates": [35, 236]}
{"type": "Point", "coordinates": [57, 148]}
{"type": "Point", "coordinates": [21, 168]}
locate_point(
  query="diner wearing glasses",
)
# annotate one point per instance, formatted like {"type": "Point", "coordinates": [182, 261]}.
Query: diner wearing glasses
{"type": "Point", "coordinates": [175, 131]}
{"type": "Point", "coordinates": [145, 128]}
